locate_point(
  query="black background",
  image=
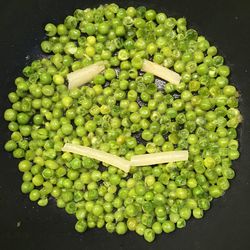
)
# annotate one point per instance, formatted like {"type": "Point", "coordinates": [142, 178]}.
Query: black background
{"type": "Point", "coordinates": [225, 226]}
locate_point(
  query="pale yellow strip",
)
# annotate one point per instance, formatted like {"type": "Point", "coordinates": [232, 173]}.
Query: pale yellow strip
{"type": "Point", "coordinates": [99, 155]}
{"type": "Point", "coordinates": [85, 75]}
{"type": "Point", "coordinates": [161, 72]}
{"type": "Point", "coordinates": [159, 158]}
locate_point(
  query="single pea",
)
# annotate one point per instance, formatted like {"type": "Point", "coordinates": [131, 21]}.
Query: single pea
{"type": "Point", "coordinates": [149, 235]}
{"type": "Point", "coordinates": [215, 191]}
{"type": "Point", "coordinates": [43, 202]}
{"type": "Point", "coordinates": [212, 51]}
{"type": "Point", "coordinates": [90, 126]}
{"type": "Point", "coordinates": [27, 187]}
{"type": "Point", "coordinates": [18, 153]}
{"type": "Point", "coordinates": [121, 228]}
{"type": "Point", "coordinates": [34, 195]}
{"type": "Point", "coordinates": [198, 213]}
{"type": "Point", "coordinates": [150, 15]}
{"type": "Point", "coordinates": [24, 165]}
{"type": "Point", "coordinates": [140, 229]}
{"type": "Point", "coordinates": [223, 183]}
{"type": "Point", "coordinates": [10, 145]}
{"type": "Point", "coordinates": [168, 226]}
{"type": "Point", "coordinates": [81, 226]}
{"type": "Point", "coordinates": [181, 193]}
{"type": "Point", "coordinates": [224, 70]}
{"type": "Point", "coordinates": [13, 97]}
{"type": "Point", "coordinates": [58, 79]}
{"type": "Point", "coordinates": [185, 213]}
{"type": "Point", "coordinates": [46, 46]}
{"type": "Point", "coordinates": [10, 115]}
{"type": "Point", "coordinates": [51, 164]}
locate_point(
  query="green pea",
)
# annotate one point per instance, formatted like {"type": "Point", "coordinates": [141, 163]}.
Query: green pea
{"type": "Point", "coordinates": [10, 145]}
{"type": "Point", "coordinates": [198, 213]}
{"type": "Point", "coordinates": [215, 191]}
{"type": "Point", "coordinates": [121, 228]}
{"type": "Point", "coordinates": [168, 226]}
{"type": "Point", "coordinates": [51, 164]}
{"type": "Point", "coordinates": [27, 187]}
{"type": "Point", "coordinates": [34, 195]}
{"type": "Point", "coordinates": [149, 235]}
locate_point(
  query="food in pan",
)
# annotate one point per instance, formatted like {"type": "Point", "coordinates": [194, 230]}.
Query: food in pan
{"type": "Point", "coordinates": [125, 83]}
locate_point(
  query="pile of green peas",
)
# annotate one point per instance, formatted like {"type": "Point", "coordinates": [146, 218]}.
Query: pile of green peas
{"type": "Point", "coordinates": [124, 112]}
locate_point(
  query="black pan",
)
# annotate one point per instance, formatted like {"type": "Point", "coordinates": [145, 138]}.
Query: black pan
{"type": "Point", "coordinates": [24, 225]}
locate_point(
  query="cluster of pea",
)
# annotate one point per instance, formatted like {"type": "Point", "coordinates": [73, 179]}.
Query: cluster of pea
{"type": "Point", "coordinates": [123, 112]}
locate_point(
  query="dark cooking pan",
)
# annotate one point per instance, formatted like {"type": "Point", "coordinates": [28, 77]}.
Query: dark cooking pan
{"type": "Point", "coordinates": [24, 225]}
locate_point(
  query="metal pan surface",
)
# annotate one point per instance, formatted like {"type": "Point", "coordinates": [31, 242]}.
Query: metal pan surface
{"type": "Point", "coordinates": [24, 225]}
